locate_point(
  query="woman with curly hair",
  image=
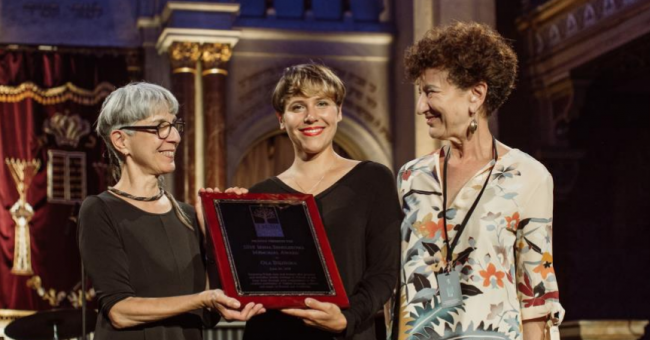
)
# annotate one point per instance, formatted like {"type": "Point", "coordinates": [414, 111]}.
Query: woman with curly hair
{"type": "Point", "coordinates": [476, 238]}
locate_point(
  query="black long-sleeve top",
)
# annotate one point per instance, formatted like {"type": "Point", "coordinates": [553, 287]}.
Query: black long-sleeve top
{"type": "Point", "coordinates": [128, 252]}
{"type": "Point", "coordinates": [361, 215]}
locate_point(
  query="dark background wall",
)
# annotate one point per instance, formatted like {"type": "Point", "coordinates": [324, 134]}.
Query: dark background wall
{"type": "Point", "coordinates": [601, 227]}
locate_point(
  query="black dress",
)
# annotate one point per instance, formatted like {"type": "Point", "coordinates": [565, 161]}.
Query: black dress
{"type": "Point", "coordinates": [128, 252]}
{"type": "Point", "coordinates": [361, 215]}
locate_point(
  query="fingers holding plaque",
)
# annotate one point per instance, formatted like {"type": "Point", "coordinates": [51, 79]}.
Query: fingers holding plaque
{"type": "Point", "coordinates": [272, 249]}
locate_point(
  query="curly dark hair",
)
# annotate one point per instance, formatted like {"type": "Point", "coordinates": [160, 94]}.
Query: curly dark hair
{"type": "Point", "coordinates": [471, 53]}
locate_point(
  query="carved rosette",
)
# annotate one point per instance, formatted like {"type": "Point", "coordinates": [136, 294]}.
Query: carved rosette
{"type": "Point", "coordinates": [21, 212]}
{"type": "Point", "coordinates": [67, 129]}
{"type": "Point", "coordinates": [214, 58]}
{"type": "Point", "coordinates": [184, 56]}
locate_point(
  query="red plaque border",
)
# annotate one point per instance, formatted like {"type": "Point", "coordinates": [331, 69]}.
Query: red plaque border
{"type": "Point", "coordinates": [224, 265]}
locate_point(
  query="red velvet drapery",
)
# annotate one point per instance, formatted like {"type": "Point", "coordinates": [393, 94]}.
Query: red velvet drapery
{"type": "Point", "coordinates": [49, 102]}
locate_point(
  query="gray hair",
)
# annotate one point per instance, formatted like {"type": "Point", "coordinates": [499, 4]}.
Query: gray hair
{"type": "Point", "coordinates": [127, 105]}
{"type": "Point", "coordinates": [131, 103]}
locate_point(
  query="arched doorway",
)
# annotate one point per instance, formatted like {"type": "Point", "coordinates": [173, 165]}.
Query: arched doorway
{"type": "Point", "coordinates": [269, 157]}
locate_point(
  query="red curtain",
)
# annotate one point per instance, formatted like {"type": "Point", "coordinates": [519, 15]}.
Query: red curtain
{"type": "Point", "coordinates": [49, 102]}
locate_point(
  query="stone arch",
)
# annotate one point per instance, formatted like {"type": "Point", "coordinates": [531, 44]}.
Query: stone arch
{"type": "Point", "coordinates": [353, 137]}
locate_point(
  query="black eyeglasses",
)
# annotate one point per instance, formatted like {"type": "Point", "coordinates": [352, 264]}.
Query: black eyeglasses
{"type": "Point", "coordinates": [163, 129]}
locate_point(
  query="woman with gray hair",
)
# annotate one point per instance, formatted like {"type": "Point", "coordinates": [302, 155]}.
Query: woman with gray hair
{"type": "Point", "coordinates": [141, 248]}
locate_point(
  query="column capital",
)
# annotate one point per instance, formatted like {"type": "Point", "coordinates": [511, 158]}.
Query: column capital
{"type": "Point", "coordinates": [169, 36]}
{"type": "Point", "coordinates": [184, 56]}
{"type": "Point", "coordinates": [214, 57]}
{"type": "Point", "coordinates": [198, 22]}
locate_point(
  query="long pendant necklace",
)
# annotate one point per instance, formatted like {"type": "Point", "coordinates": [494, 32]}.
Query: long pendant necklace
{"type": "Point", "coordinates": [317, 183]}
{"type": "Point", "coordinates": [138, 198]}
{"type": "Point", "coordinates": [461, 227]}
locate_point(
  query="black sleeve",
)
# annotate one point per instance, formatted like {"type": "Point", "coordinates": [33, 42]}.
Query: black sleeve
{"type": "Point", "coordinates": [382, 251]}
{"type": "Point", "coordinates": [103, 254]}
{"type": "Point", "coordinates": [209, 318]}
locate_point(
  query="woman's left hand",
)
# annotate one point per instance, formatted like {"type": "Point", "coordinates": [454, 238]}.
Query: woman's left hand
{"type": "Point", "coordinates": [323, 315]}
{"type": "Point", "coordinates": [229, 307]}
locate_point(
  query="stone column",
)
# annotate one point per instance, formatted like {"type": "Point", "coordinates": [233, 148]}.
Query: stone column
{"type": "Point", "coordinates": [184, 57]}
{"type": "Point", "coordinates": [213, 61]}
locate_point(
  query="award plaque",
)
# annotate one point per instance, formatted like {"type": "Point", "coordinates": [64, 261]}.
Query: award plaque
{"type": "Point", "coordinates": [272, 249]}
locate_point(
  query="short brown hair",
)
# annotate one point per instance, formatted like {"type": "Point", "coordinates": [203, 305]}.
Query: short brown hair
{"type": "Point", "coordinates": [307, 80]}
{"type": "Point", "coordinates": [471, 53]}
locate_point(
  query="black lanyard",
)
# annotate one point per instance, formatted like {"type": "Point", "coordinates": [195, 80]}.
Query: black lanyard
{"type": "Point", "coordinates": [450, 249]}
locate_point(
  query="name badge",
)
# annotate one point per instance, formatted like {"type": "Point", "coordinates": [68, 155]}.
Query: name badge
{"type": "Point", "coordinates": [449, 287]}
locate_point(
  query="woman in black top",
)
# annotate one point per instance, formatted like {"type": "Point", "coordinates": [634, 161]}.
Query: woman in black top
{"type": "Point", "coordinates": [141, 248]}
{"type": "Point", "coordinates": [356, 200]}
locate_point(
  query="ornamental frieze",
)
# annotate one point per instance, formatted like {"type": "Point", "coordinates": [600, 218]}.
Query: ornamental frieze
{"type": "Point", "coordinates": [547, 34]}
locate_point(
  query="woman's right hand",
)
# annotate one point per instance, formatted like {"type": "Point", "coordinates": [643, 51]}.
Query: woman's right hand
{"type": "Point", "coordinates": [199, 207]}
{"type": "Point", "coordinates": [236, 190]}
{"type": "Point", "coordinates": [228, 307]}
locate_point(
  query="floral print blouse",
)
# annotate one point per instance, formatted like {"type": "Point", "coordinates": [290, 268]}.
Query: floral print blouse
{"type": "Point", "coordinates": [503, 256]}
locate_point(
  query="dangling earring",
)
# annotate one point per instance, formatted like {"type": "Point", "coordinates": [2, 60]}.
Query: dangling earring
{"type": "Point", "coordinates": [473, 126]}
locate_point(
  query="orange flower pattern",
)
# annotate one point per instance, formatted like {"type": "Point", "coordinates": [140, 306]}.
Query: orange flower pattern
{"type": "Point", "coordinates": [492, 271]}
{"type": "Point", "coordinates": [503, 257]}
{"type": "Point", "coordinates": [546, 265]}
{"type": "Point", "coordinates": [429, 229]}
{"type": "Point", "coordinates": [512, 222]}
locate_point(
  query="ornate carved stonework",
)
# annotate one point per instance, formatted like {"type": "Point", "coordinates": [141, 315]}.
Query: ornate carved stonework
{"type": "Point", "coordinates": [214, 58]}
{"type": "Point", "coordinates": [66, 129]}
{"type": "Point", "coordinates": [555, 22]}
{"type": "Point", "coordinates": [563, 38]}
{"type": "Point", "coordinates": [184, 56]}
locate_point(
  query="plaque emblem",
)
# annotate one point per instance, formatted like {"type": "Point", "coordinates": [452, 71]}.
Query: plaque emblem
{"type": "Point", "coordinates": [266, 221]}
